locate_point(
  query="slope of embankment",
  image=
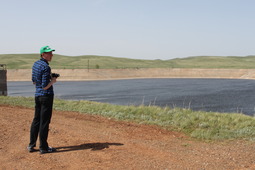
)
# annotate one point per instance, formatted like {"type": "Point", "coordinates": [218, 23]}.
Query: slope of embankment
{"type": "Point", "coordinates": [108, 74]}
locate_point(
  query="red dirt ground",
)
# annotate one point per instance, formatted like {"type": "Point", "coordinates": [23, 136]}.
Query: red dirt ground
{"type": "Point", "coordinates": [93, 142]}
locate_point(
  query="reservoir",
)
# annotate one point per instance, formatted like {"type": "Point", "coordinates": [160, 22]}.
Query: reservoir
{"type": "Point", "coordinates": [212, 95]}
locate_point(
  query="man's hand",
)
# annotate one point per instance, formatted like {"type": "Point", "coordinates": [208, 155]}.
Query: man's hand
{"type": "Point", "coordinates": [53, 80]}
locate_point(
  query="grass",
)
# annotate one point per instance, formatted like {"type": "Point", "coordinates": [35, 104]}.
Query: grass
{"type": "Point", "coordinates": [197, 124]}
{"type": "Point", "coordinates": [25, 61]}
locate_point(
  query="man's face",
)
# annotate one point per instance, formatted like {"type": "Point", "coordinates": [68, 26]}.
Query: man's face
{"type": "Point", "coordinates": [47, 56]}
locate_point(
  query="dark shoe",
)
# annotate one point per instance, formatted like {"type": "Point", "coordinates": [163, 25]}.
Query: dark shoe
{"type": "Point", "coordinates": [31, 149]}
{"type": "Point", "coordinates": [49, 150]}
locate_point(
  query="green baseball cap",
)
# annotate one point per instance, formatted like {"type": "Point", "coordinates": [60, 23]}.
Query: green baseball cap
{"type": "Point", "coordinates": [46, 49]}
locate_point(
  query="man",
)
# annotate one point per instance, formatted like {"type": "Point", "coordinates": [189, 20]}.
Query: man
{"type": "Point", "coordinates": [41, 77]}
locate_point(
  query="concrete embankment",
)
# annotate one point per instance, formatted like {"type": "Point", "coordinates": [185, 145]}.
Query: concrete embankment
{"type": "Point", "coordinates": [108, 74]}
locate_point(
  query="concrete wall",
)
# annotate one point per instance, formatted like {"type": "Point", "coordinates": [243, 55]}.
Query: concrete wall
{"type": "Point", "coordinates": [107, 74]}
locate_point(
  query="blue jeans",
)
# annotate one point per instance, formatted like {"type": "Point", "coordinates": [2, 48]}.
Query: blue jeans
{"type": "Point", "coordinates": [41, 121]}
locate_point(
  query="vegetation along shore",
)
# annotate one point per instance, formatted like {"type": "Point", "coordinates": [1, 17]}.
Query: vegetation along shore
{"type": "Point", "coordinates": [197, 124]}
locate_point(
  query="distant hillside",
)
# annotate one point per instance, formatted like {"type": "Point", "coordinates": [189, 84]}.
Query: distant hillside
{"type": "Point", "coordinates": [246, 62]}
{"type": "Point", "coordinates": [25, 61]}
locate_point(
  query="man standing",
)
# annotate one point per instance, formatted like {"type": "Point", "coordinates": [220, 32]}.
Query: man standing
{"type": "Point", "coordinates": [44, 95]}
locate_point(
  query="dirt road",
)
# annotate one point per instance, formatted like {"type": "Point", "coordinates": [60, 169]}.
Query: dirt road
{"type": "Point", "coordinates": [93, 142]}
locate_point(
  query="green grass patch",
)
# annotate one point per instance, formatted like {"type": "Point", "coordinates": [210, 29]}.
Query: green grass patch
{"type": "Point", "coordinates": [197, 124]}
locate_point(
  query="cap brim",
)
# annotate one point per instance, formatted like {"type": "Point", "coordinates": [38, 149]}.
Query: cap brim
{"type": "Point", "coordinates": [49, 50]}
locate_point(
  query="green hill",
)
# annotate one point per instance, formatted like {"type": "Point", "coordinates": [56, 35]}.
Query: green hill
{"type": "Point", "coordinates": [25, 61]}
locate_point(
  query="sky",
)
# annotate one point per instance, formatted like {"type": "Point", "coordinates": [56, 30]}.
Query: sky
{"type": "Point", "coordinates": [137, 29]}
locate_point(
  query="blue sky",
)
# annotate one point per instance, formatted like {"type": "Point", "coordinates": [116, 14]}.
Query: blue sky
{"type": "Point", "coordinates": [140, 29]}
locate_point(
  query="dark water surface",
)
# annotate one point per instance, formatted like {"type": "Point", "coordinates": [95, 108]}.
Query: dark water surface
{"type": "Point", "coordinates": [217, 95]}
